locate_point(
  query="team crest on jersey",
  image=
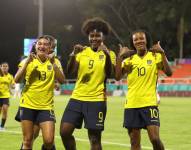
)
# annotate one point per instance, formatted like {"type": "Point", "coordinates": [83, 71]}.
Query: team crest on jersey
{"type": "Point", "coordinates": [49, 67]}
{"type": "Point", "coordinates": [149, 62]}
{"type": "Point", "coordinates": [101, 57]}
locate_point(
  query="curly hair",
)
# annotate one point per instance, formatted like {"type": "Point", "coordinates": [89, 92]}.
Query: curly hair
{"type": "Point", "coordinates": [95, 24]}
{"type": "Point", "coordinates": [147, 35]}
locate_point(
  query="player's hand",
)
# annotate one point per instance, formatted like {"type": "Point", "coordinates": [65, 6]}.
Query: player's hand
{"type": "Point", "coordinates": [103, 48]}
{"type": "Point", "coordinates": [51, 57]}
{"type": "Point", "coordinates": [156, 48]}
{"type": "Point", "coordinates": [77, 48]}
{"type": "Point", "coordinates": [128, 67]}
{"type": "Point", "coordinates": [124, 51]}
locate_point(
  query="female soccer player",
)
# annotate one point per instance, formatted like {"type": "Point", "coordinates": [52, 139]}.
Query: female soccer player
{"type": "Point", "coordinates": [36, 104]}
{"type": "Point", "coordinates": [141, 109]}
{"type": "Point", "coordinates": [88, 100]}
{"type": "Point", "coordinates": [6, 82]}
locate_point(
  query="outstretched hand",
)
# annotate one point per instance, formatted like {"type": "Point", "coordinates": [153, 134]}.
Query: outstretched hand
{"type": "Point", "coordinates": [124, 51]}
{"type": "Point", "coordinates": [156, 48]}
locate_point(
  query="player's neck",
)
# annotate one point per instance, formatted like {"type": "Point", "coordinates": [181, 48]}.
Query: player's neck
{"type": "Point", "coordinates": [42, 59]}
{"type": "Point", "coordinates": [142, 53]}
{"type": "Point", "coordinates": [94, 49]}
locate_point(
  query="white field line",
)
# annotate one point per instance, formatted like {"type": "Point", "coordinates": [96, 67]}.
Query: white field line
{"type": "Point", "coordinates": [86, 140]}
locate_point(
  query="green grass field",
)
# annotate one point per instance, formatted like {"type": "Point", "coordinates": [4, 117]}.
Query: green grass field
{"type": "Point", "coordinates": [175, 131]}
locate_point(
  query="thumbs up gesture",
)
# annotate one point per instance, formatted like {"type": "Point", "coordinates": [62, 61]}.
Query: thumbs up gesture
{"type": "Point", "coordinates": [156, 48]}
{"type": "Point", "coordinates": [124, 51]}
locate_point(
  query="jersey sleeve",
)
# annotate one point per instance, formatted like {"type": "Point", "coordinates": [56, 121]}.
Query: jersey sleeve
{"type": "Point", "coordinates": [58, 63]}
{"type": "Point", "coordinates": [22, 63]}
{"type": "Point", "coordinates": [113, 57]}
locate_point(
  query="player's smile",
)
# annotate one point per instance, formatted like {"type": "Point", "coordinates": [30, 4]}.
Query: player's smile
{"type": "Point", "coordinates": [95, 39]}
{"type": "Point", "coordinates": [43, 47]}
{"type": "Point", "coordinates": [139, 41]}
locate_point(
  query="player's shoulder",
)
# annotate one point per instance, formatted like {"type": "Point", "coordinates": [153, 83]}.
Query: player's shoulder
{"type": "Point", "coordinates": [111, 52]}
{"type": "Point", "coordinates": [9, 74]}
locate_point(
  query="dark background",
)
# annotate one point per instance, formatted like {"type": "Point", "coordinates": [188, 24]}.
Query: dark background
{"type": "Point", "coordinates": [63, 20]}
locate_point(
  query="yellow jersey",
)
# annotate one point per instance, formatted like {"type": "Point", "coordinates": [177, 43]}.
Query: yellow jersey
{"type": "Point", "coordinates": [5, 83]}
{"type": "Point", "coordinates": [90, 84]}
{"type": "Point", "coordinates": [113, 57]}
{"type": "Point", "coordinates": [142, 80]}
{"type": "Point", "coordinates": [39, 85]}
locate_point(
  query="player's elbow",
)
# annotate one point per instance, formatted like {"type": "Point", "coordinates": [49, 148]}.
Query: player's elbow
{"type": "Point", "coordinates": [117, 77]}
{"type": "Point", "coordinates": [169, 74]}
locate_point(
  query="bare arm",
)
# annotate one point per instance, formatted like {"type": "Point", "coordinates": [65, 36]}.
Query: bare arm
{"type": "Point", "coordinates": [119, 71]}
{"type": "Point", "coordinates": [166, 67]}
{"type": "Point", "coordinates": [108, 63]}
{"type": "Point", "coordinates": [59, 75]}
{"type": "Point", "coordinates": [19, 76]}
{"type": "Point", "coordinates": [72, 66]}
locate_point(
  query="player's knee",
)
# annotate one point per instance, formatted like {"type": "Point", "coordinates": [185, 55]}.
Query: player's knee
{"type": "Point", "coordinates": [65, 134]}
{"type": "Point", "coordinates": [27, 142]}
{"type": "Point", "coordinates": [48, 147]}
{"type": "Point", "coordinates": [156, 142]}
{"type": "Point", "coordinates": [135, 144]}
{"type": "Point", "coordinates": [48, 143]}
{"type": "Point", "coordinates": [94, 140]}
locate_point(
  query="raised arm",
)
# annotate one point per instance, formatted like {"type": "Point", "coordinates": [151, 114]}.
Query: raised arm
{"type": "Point", "coordinates": [119, 71]}
{"type": "Point", "coordinates": [59, 74]}
{"type": "Point", "coordinates": [108, 63]}
{"type": "Point", "coordinates": [72, 65]}
{"type": "Point", "coordinates": [166, 67]}
{"type": "Point", "coordinates": [19, 76]}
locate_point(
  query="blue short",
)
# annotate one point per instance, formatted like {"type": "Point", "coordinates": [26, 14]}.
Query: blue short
{"type": "Point", "coordinates": [36, 116]}
{"type": "Point", "coordinates": [141, 117]}
{"type": "Point", "coordinates": [4, 101]}
{"type": "Point", "coordinates": [92, 113]}
{"type": "Point", "coordinates": [17, 116]}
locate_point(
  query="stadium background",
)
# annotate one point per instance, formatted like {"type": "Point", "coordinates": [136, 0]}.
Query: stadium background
{"type": "Point", "coordinates": [168, 21]}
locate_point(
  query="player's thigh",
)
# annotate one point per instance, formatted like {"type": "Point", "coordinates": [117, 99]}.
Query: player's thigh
{"type": "Point", "coordinates": [46, 120]}
{"type": "Point", "coordinates": [36, 130]}
{"type": "Point", "coordinates": [153, 132]}
{"type": "Point", "coordinates": [28, 117]}
{"type": "Point", "coordinates": [27, 129]}
{"type": "Point", "coordinates": [135, 135]}
{"type": "Point", "coordinates": [72, 114]}
{"type": "Point", "coordinates": [5, 108]}
{"type": "Point", "coordinates": [48, 130]}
